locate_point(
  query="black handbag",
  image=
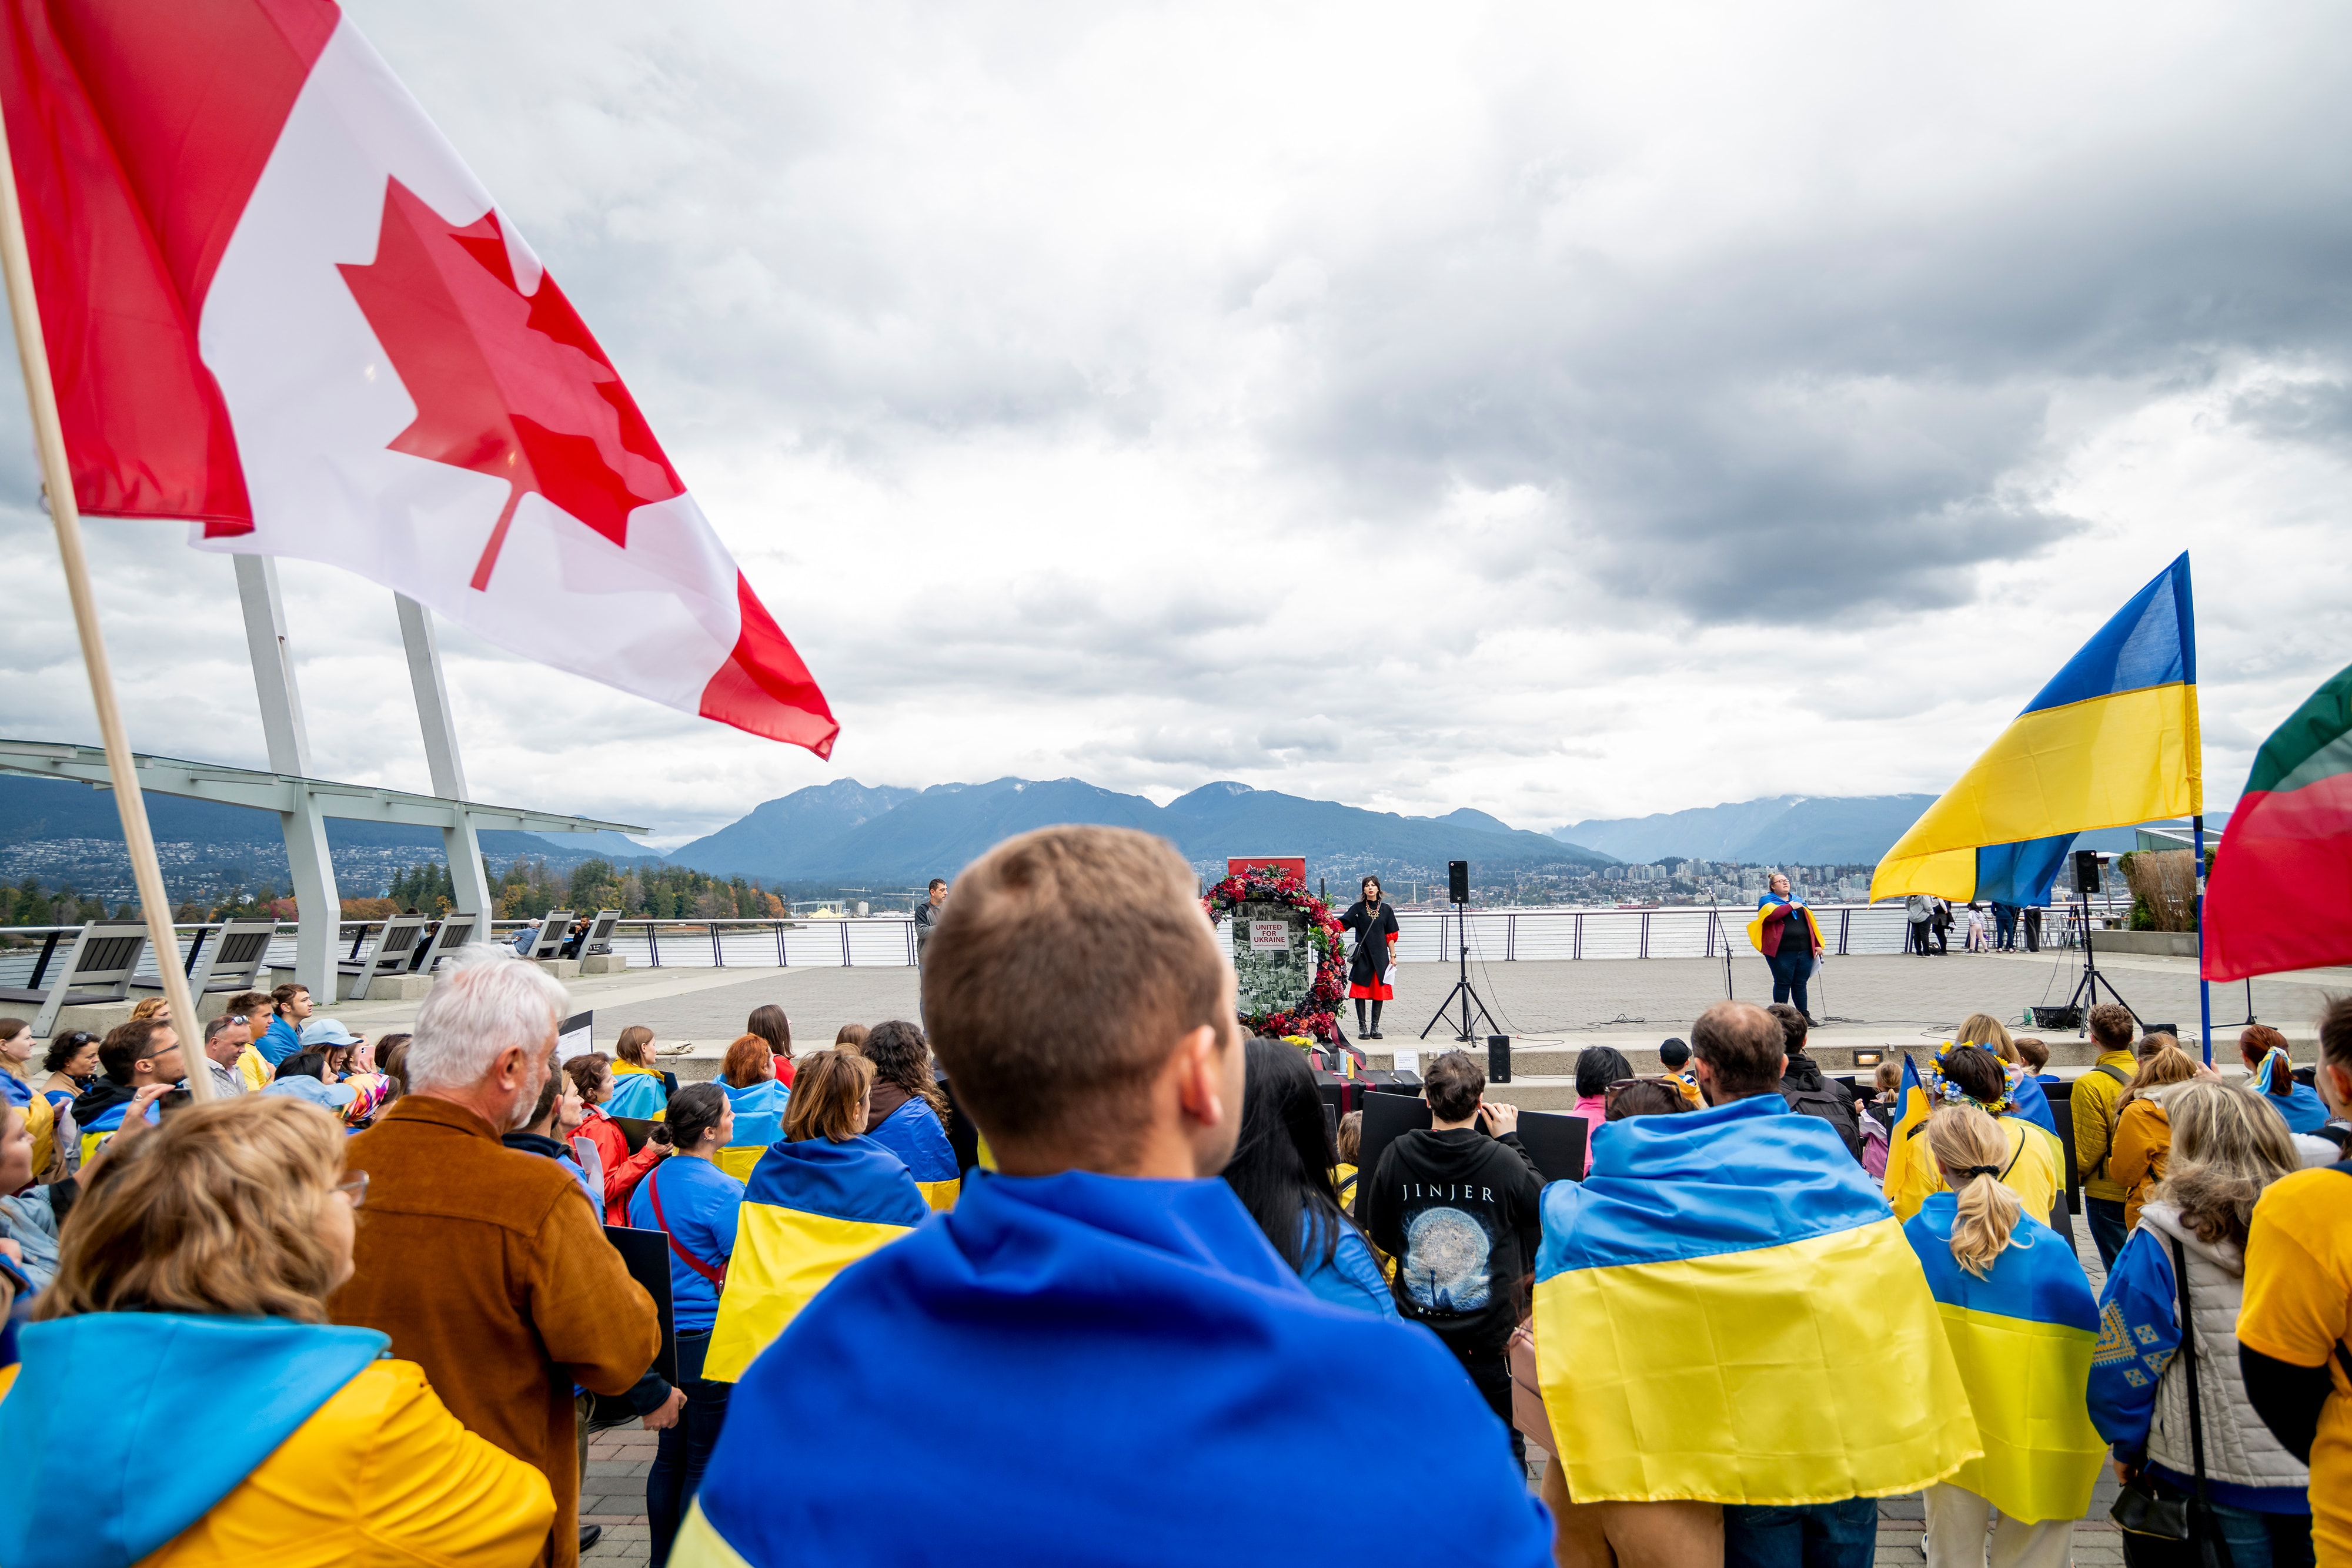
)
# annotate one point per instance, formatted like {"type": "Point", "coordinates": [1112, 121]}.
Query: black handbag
{"type": "Point", "coordinates": [2165, 1527]}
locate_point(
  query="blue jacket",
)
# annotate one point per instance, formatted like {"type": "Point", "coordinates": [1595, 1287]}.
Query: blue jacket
{"type": "Point", "coordinates": [1352, 1278]}
{"type": "Point", "coordinates": [2139, 1333]}
{"type": "Point", "coordinates": [278, 1042]}
{"type": "Point", "coordinates": [701, 1203]}
{"type": "Point", "coordinates": [1108, 1343]}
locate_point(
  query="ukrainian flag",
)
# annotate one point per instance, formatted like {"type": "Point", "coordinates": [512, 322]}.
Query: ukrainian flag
{"type": "Point", "coordinates": [1913, 1109]}
{"type": "Point", "coordinates": [759, 1122]}
{"type": "Point", "coordinates": [1755, 1234]}
{"type": "Point", "coordinates": [810, 1210]}
{"type": "Point", "coordinates": [2111, 741]}
{"type": "Point", "coordinates": [1794, 904]}
{"type": "Point", "coordinates": [913, 1134]}
{"type": "Point", "coordinates": [2023, 1338]}
{"type": "Point", "coordinates": [637, 1091]}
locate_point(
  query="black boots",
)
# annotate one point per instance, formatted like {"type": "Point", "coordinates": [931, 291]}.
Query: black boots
{"type": "Point", "coordinates": [1361, 1033]}
{"type": "Point", "coordinates": [1375, 1034]}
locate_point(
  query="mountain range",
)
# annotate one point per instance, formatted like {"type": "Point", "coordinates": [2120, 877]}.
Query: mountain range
{"type": "Point", "coordinates": [1786, 830]}
{"type": "Point", "coordinates": [849, 829]}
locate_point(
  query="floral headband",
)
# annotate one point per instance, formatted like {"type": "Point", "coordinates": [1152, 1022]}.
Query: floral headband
{"type": "Point", "coordinates": [1952, 1094]}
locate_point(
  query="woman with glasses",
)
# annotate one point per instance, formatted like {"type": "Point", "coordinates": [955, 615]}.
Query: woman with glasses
{"type": "Point", "coordinates": [198, 1266]}
{"type": "Point", "coordinates": [1785, 931]}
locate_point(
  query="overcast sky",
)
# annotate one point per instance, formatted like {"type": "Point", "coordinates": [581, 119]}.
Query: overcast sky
{"type": "Point", "coordinates": [1563, 411]}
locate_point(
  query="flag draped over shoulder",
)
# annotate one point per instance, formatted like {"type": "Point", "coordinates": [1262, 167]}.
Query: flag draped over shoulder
{"type": "Point", "coordinates": [2281, 894]}
{"type": "Point", "coordinates": [810, 1210]}
{"type": "Point", "coordinates": [280, 305]}
{"type": "Point", "coordinates": [913, 1134]}
{"type": "Point", "coordinates": [1795, 905]}
{"type": "Point", "coordinates": [2022, 1338]}
{"type": "Point", "coordinates": [638, 1093]}
{"type": "Point", "coordinates": [1081, 1353]}
{"type": "Point", "coordinates": [759, 1122]}
{"type": "Point", "coordinates": [1754, 1232]}
{"type": "Point", "coordinates": [2112, 741]}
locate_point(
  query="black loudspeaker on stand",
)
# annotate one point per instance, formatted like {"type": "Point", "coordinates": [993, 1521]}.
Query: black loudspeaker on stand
{"type": "Point", "coordinates": [1457, 887]}
{"type": "Point", "coordinates": [2086, 990]}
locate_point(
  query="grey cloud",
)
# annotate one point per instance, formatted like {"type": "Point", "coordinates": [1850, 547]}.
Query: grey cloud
{"type": "Point", "coordinates": [2318, 413]}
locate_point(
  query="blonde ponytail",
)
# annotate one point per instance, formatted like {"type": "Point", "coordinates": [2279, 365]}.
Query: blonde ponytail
{"type": "Point", "coordinates": [1972, 1150]}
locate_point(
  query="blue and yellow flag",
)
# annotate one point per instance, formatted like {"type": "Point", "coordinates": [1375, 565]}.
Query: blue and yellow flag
{"type": "Point", "coordinates": [1080, 1352]}
{"type": "Point", "coordinates": [1913, 1107]}
{"type": "Point", "coordinates": [1772, 901]}
{"type": "Point", "coordinates": [638, 1093]}
{"type": "Point", "coordinates": [1754, 1234]}
{"type": "Point", "coordinates": [759, 1122]}
{"type": "Point", "coordinates": [2111, 741]}
{"type": "Point", "coordinates": [913, 1133]}
{"type": "Point", "coordinates": [2023, 1337]}
{"type": "Point", "coordinates": [810, 1210]}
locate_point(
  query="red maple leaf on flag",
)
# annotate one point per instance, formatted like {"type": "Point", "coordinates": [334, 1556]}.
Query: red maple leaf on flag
{"type": "Point", "coordinates": [505, 383]}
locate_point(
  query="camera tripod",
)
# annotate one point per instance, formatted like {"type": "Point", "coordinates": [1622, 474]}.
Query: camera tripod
{"type": "Point", "coordinates": [1463, 987]}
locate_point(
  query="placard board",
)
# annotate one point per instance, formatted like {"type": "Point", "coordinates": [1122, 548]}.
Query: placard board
{"type": "Point", "coordinates": [1273, 963]}
{"type": "Point", "coordinates": [1555, 1141]}
{"type": "Point", "coordinates": [646, 1255]}
{"type": "Point", "coordinates": [576, 1036]}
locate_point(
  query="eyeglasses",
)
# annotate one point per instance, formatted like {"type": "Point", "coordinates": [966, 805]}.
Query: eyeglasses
{"type": "Point", "coordinates": [354, 1189]}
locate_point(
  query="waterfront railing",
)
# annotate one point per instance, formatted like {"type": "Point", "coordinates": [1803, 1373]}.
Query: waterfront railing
{"type": "Point", "coordinates": [888, 941]}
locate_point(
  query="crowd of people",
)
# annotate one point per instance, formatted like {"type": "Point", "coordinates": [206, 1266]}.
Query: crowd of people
{"type": "Point", "coordinates": [1159, 1297]}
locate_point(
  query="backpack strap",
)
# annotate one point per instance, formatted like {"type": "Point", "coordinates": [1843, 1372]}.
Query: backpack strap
{"type": "Point", "coordinates": [2188, 1362]}
{"type": "Point", "coordinates": [718, 1277]}
{"type": "Point", "coordinates": [2119, 1076]}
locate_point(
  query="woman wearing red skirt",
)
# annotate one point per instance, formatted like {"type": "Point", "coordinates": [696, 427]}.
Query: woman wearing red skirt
{"type": "Point", "coordinates": [1374, 922]}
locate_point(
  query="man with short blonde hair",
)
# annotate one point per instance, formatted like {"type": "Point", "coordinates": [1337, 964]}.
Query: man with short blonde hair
{"type": "Point", "coordinates": [1112, 1319]}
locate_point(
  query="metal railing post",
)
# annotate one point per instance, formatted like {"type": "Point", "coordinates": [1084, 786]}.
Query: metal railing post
{"type": "Point", "coordinates": [1646, 935]}
{"type": "Point", "coordinates": [718, 957]}
{"type": "Point", "coordinates": [844, 942]}
{"type": "Point", "coordinates": [653, 942]}
{"type": "Point", "coordinates": [780, 944]}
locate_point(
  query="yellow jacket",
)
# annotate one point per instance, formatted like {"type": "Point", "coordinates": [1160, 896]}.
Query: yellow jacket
{"type": "Point", "coordinates": [2095, 1093]}
{"type": "Point", "coordinates": [2032, 1172]}
{"type": "Point", "coordinates": [378, 1473]}
{"type": "Point", "coordinates": [2143, 1143]}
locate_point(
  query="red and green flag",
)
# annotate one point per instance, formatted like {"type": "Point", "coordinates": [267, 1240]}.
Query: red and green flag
{"type": "Point", "coordinates": [2281, 892]}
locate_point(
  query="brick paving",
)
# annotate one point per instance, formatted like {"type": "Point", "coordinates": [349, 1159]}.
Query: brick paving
{"type": "Point", "coordinates": [613, 1495]}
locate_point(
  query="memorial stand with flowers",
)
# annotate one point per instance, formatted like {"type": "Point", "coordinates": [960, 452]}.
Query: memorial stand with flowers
{"type": "Point", "coordinates": [1315, 1014]}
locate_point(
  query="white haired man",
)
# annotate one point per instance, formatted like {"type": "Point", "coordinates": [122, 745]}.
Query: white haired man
{"type": "Point", "coordinates": [460, 1230]}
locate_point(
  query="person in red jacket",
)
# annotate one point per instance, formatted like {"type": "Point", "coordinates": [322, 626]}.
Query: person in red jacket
{"type": "Point", "coordinates": [592, 1074]}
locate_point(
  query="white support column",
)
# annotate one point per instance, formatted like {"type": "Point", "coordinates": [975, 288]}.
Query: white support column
{"type": "Point", "coordinates": [440, 726]}
{"type": "Point", "coordinates": [318, 907]}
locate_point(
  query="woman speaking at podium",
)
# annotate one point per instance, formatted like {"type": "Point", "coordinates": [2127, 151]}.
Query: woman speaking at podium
{"type": "Point", "coordinates": [1786, 933]}
{"type": "Point", "coordinates": [1374, 922]}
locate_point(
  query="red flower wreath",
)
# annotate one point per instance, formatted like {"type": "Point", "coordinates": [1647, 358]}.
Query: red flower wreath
{"type": "Point", "coordinates": [1319, 1016]}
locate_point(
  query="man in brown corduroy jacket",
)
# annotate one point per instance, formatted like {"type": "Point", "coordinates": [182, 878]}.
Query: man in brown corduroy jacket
{"type": "Point", "coordinates": [483, 1263]}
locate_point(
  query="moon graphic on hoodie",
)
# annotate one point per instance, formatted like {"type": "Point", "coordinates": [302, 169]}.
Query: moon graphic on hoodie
{"type": "Point", "coordinates": [1446, 1255]}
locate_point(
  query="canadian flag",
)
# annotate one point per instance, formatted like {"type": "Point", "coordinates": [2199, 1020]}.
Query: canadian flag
{"type": "Point", "coordinates": [277, 304]}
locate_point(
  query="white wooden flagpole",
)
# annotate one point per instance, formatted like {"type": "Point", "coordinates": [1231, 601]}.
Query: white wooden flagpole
{"type": "Point", "coordinates": [57, 474]}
